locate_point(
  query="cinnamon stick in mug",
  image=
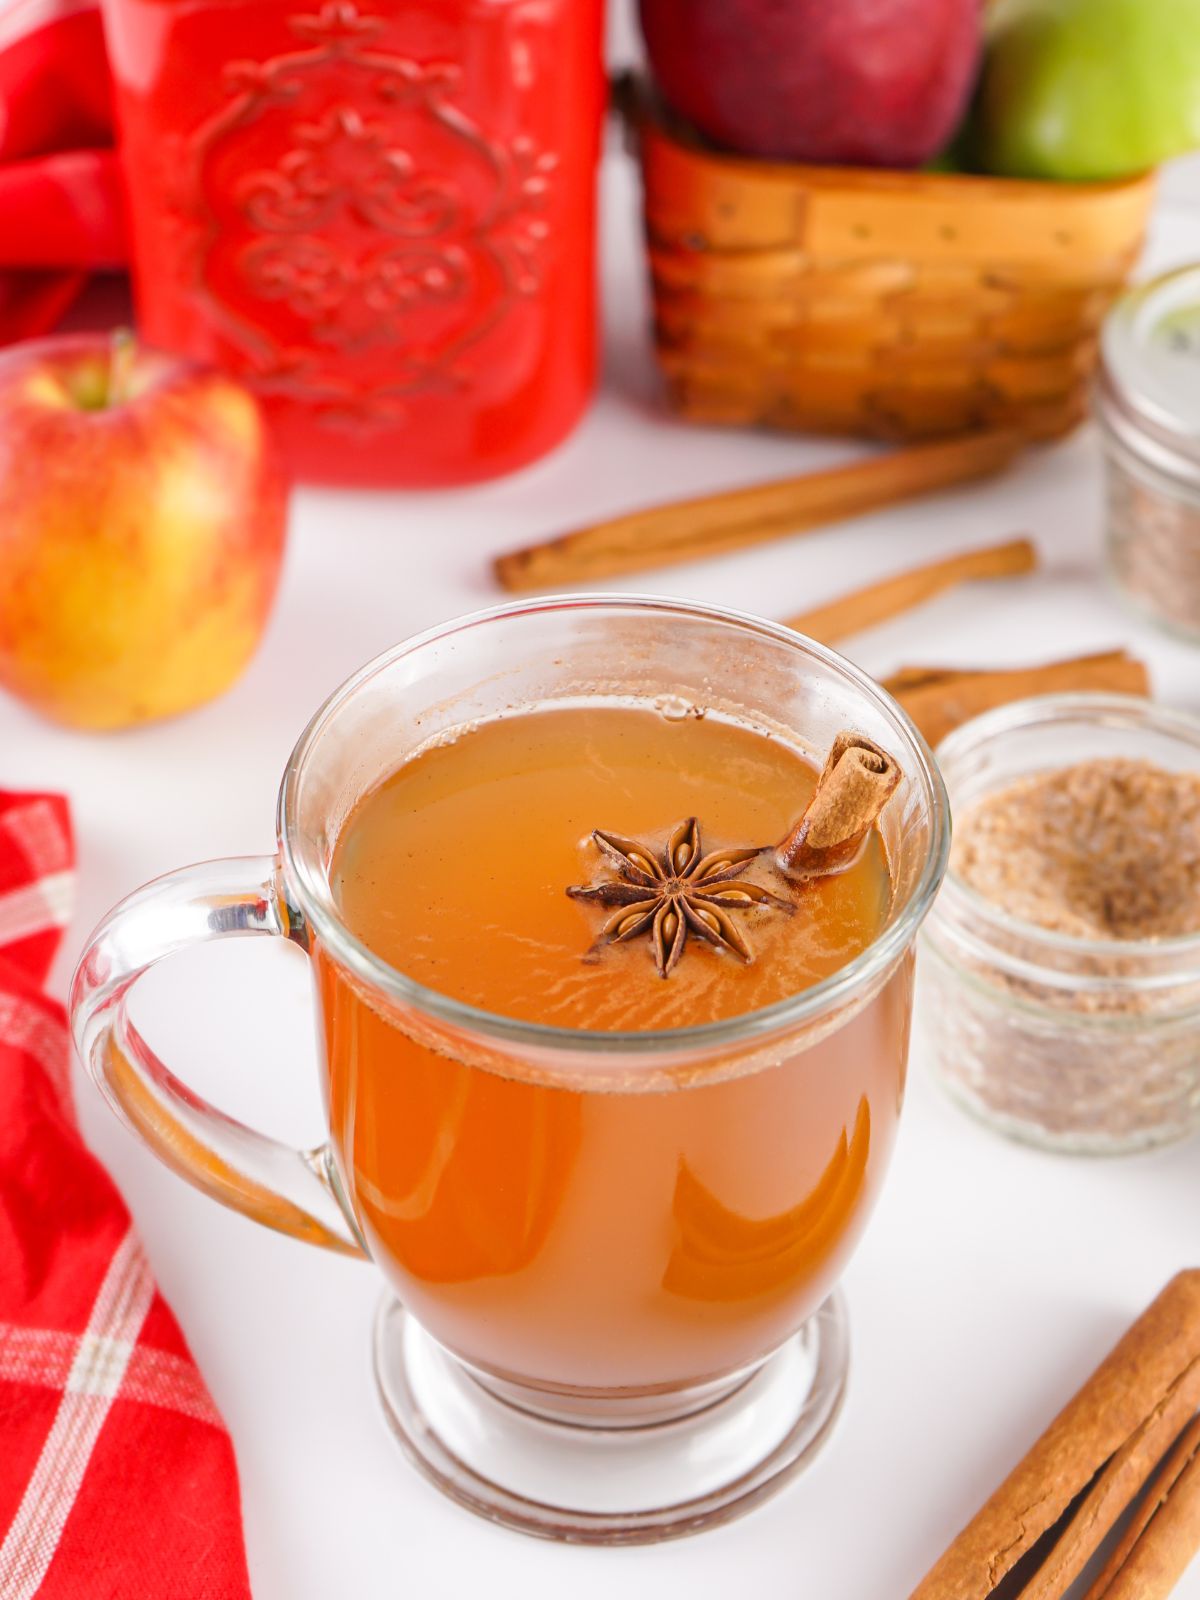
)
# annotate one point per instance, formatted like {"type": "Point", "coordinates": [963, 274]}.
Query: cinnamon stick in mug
{"type": "Point", "coordinates": [688, 530]}
{"type": "Point", "coordinates": [879, 602]}
{"type": "Point", "coordinates": [1092, 1460]}
{"type": "Point", "coordinates": [857, 781]}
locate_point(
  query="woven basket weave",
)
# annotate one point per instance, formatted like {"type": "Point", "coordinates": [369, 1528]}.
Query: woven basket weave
{"type": "Point", "coordinates": [892, 305]}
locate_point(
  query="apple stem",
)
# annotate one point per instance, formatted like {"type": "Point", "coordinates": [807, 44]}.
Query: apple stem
{"type": "Point", "coordinates": [122, 353]}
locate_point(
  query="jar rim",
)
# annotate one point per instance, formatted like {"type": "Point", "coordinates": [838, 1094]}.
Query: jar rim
{"type": "Point", "coordinates": [1156, 962]}
{"type": "Point", "coordinates": [1141, 386]}
{"type": "Point", "coordinates": [1142, 446]}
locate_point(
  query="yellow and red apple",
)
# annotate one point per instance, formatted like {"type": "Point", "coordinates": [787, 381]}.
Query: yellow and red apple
{"type": "Point", "coordinates": [142, 524]}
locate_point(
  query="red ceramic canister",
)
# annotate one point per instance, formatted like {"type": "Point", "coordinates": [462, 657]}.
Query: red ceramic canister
{"type": "Point", "coordinates": [379, 212]}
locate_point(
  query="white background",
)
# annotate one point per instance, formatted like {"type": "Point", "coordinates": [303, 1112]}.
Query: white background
{"type": "Point", "coordinates": [993, 1277]}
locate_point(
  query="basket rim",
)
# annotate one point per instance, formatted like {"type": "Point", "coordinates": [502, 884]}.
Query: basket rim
{"type": "Point", "coordinates": [649, 118]}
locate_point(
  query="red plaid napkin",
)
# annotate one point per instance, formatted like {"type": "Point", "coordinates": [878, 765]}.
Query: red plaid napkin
{"type": "Point", "coordinates": [117, 1477]}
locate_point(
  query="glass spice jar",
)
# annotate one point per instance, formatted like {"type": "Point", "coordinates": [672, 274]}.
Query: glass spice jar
{"type": "Point", "coordinates": [1076, 1044]}
{"type": "Point", "coordinates": [380, 215]}
{"type": "Point", "coordinates": [1147, 403]}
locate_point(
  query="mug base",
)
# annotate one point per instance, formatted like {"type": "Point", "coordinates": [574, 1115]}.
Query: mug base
{"type": "Point", "coordinates": [588, 1482]}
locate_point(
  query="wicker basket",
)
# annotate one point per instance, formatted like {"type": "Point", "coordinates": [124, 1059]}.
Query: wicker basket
{"type": "Point", "coordinates": [892, 305]}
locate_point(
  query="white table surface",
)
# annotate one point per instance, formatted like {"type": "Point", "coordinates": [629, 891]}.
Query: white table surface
{"type": "Point", "coordinates": [992, 1278]}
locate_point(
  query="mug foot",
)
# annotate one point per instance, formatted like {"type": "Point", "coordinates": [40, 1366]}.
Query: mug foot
{"type": "Point", "coordinates": [563, 1470]}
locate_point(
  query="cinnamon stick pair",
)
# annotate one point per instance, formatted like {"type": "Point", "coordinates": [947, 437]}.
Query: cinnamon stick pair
{"type": "Point", "coordinates": [1133, 1422]}
{"type": "Point", "coordinates": [939, 699]}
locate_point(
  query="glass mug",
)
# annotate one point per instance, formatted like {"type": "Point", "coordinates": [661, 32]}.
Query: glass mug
{"type": "Point", "coordinates": [380, 215]}
{"type": "Point", "coordinates": [596, 1328]}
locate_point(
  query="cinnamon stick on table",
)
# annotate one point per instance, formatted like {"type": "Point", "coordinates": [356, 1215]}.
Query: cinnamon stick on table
{"type": "Point", "coordinates": [690, 529]}
{"type": "Point", "coordinates": [1138, 1407]}
{"type": "Point", "coordinates": [904, 590]}
{"type": "Point", "coordinates": [939, 699]}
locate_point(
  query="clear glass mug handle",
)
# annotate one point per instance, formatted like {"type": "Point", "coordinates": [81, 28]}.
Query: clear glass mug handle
{"type": "Point", "coordinates": [294, 1191]}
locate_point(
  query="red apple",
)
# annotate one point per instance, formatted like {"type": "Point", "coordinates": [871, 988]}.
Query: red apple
{"type": "Point", "coordinates": [847, 82]}
{"type": "Point", "coordinates": [142, 524]}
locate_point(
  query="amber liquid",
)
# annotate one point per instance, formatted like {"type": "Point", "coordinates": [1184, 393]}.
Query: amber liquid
{"type": "Point", "coordinates": [639, 1230]}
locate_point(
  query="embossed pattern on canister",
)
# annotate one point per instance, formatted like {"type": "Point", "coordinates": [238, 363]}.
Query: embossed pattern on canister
{"type": "Point", "coordinates": [380, 215]}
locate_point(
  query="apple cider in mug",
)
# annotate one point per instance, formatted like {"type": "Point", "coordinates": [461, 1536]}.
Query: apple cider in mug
{"type": "Point", "coordinates": [599, 867]}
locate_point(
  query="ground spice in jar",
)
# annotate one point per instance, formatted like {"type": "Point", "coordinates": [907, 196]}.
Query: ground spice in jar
{"type": "Point", "coordinates": [1101, 850]}
{"type": "Point", "coordinates": [1060, 975]}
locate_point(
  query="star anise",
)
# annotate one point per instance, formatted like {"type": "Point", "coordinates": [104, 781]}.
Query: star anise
{"type": "Point", "coordinates": [674, 892]}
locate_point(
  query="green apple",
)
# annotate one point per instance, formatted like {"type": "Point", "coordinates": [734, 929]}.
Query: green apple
{"type": "Point", "coordinates": [1083, 89]}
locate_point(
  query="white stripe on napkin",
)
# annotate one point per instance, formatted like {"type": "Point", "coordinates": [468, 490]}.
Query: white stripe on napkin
{"type": "Point", "coordinates": [104, 1351]}
{"type": "Point", "coordinates": [36, 907]}
{"type": "Point", "coordinates": [44, 1357]}
{"type": "Point", "coordinates": [43, 1035]}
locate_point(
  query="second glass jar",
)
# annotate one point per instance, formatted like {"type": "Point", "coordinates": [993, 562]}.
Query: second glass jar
{"type": "Point", "coordinates": [1148, 407]}
{"type": "Point", "coordinates": [1076, 1044]}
